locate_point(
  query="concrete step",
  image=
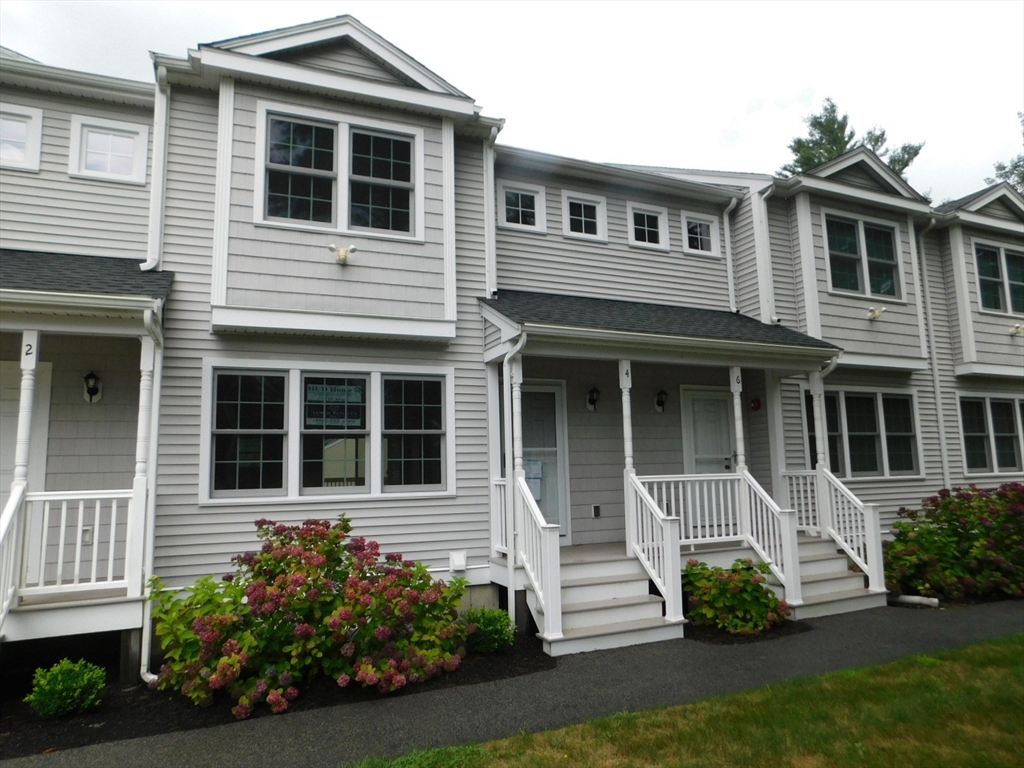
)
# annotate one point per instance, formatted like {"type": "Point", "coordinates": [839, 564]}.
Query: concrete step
{"type": "Point", "coordinates": [838, 602]}
{"type": "Point", "coordinates": [830, 583]}
{"type": "Point", "coordinates": [603, 588]}
{"type": "Point", "coordinates": [603, 612]}
{"type": "Point", "coordinates": [618, 635]}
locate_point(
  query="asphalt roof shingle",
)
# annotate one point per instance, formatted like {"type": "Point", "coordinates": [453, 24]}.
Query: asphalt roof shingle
{"type": "Point", "coordinates": [655, 319]}
{"type": "Point", "coordinates": [67, 273]}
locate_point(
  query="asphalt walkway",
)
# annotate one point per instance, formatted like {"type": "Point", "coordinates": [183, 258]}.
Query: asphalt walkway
{"type": "Point", "coordinates": [581, 688]}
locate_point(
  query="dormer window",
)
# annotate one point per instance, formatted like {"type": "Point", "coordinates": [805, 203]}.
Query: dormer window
{"type": "Point", "coordinates": [301, 171]}
{"type": "Point", "coordinates": [862, 257]}
{"type": "Point", "coordinates": [1000, 278]}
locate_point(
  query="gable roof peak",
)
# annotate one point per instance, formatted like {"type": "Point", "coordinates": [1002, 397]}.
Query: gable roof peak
{"type": "Point", "coordinates": [975, 201]}
{"type": "Point", "coordinates": [873, 165]}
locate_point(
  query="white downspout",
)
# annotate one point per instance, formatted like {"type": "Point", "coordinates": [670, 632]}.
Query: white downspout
{"type": "Point", "coordinates": [510, 480]}
{"type": "Point", "coordinates": [932, 357]}
{"type": "Point", "coordinates": [728, 253]}
{"type": "Point", "coordinates": [158, 183]}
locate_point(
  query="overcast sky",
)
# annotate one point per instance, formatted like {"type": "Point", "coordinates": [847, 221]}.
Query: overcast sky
{"type": "Point", "coordinates": [722, 85]}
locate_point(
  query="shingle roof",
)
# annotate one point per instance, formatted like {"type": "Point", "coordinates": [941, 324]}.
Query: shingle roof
{"type": "Point", "coordinates": [66, 273]}
{"type": "Point", "coordinates": [960, 202]}
{"type": "Point", "coordinates": [655, 319]}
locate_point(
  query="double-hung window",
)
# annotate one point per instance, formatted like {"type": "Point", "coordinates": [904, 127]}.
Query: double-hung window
{"type": "Point", "coordinates": [992, 428]}
{"type": "Point", "coordinates": [521, 206]}
{"type": "Point", "coordinates": [648, 226]}
{"type": "Point", "coordinates": [109, 150]}
{"type": "Point", "coordinates": [700, 234]}
{"type": "Point", "coordinates": [583, 216]}
{"type": "Point", "coordinates": [862, 257]}
{"type": "Point", "coordinates": [334, 432]}
{"type": "Point", "coordinates": [301, 170]}
{"type": "Point", "coordinates": [413, 432]}
{"type": "Point", "coordinates": [248, 432]}
{"type": "Point", "coordinates": [21, 131]}
{"type": "Point", "coordinates": [869, 433]}
{"type": "Point", "coordinates": [1000, 278]}
{"type": "Point", "coordinates": [380, 182]}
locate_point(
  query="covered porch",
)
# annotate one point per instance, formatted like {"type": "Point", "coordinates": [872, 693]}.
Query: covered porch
{"type": "Point", "coordinates": [81, 350]}
{"type": "Point", "coordinates": [655, 431]}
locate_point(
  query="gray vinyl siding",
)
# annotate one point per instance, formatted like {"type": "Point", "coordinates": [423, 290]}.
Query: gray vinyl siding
{"type": "Point", "coordinates": [343, 58]}
{"type": "Point", "coordinates": [492, 335]}
{"type": "Point", "coordinates": [797, 268]}
{"type": "Point", "coordinates": [291, 269]}
{"type": "Point", "coordinates": [755, 426]}
{"type": "Point", "coordinates": [744, 255]}
{"type": "Point", "coordinates": [992, 341]}
{"type": "Point", "coordinates": [949, 292]}
{"type": "Point", "coordinates": [999, 210]}
{"type": "Point", "coordinates": [785, 272]}
{"type": "Point", "coordinates": [51, 211]}
{"type": "Point", "coordinates": [552, 263]}
{"type": "Point", "coordinates": [856, 176]}
{"type": "Point", "coordinates": [192, 539]}
{"type": "Point", "coordinates": [844, 316]}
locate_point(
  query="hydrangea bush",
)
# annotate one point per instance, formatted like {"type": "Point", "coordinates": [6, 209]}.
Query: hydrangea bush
{"type": "Point", "coordinates": [734, 599]}
{"type": "Point", "coordinates": [312, 601]}
{"type": "Point", "coordinates": [962, 543]}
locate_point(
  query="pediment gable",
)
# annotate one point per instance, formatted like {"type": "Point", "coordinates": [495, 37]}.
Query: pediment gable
{"type": "Point", "coordinates": [1000, 200]}
{"type": "Point", "coordinates": [342, 45]}
{"type": "Point", "coordinates": [861, 167]}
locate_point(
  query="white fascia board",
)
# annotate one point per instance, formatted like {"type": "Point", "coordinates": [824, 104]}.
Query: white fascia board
{"type": "Point", "coordinates": [291, 76]}
{"type": "Point", "coordinates": [990, 222]}
{"type": "Point", "coordinates": [94, 323]}
{"type": "Point", "coordinates": [737, 349]}
{"type": "Point", "coordinates": [989, 369]}
{"type": "Point", "coordinates": [54, 300]}
{"type": "Point", "coordinates": [28, 74]}
{"type": "Point", "coordinates": [1004, 191]}
{"type": "Point", "coordinates": [805, 184]}
{"type": "Point", "coordinates": [509, 329]}
{"type": "Point", "coordinates": [888, 362]}
{"type": "Point", "coordinates": [880, 169]}
{"type": "Point", "coordinates": [325, 324]}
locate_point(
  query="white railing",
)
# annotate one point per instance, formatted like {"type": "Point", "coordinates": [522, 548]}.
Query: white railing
{"type": "Point", "coordinates": [77, 542]}
{"type": "Point", "coordinates": [499, 519]}
{"type": "Point", "coordinates": [10, 546]}
{"type": "Point", "coordinates": [802, 497]}
{"type": "Point", "coordinates": [537, 548]}
{"type": "Point", "coordinates": [708, 506]}
{"type": "Point", "coordinates": [854, 526]}
{"type": "Point", "coordinates": [771, 532]}
{"type": "Point", "coordinates": [654, 539]}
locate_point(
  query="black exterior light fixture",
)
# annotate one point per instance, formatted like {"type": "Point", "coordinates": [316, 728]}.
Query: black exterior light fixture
{"type": "Point", "coordinates": [659, 400]}
{"type": "Point", "coordinates": [93, 387]}
{"type": "Point", "coordinates": [592, 397]}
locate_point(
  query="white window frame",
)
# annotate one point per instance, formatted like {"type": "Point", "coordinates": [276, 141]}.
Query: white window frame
{"type": "Point", "coordinates": [664, 243]}
{"type": "Point", "coordinates": [539, 201]}
{"type": "Point", "coordinates": [293, 370]}
{"type": "Point", "coordinates": [599, 202]}
{"type": "Point", "coordinates": [701, 218]}
{"type": "Point", "coordinates": [1001, 248]}
{"type": "Point", "coordinates": [987, 398]}
{"type": "Point", "coordinates": [865, 291]}
{"type": "Point", "coordinates": [81, 125]}
{"type": "Point", "coordinates": [33, 119]}
{"type": "Point", "coordinates": [344, 126]}
{"type": "Point", "coordinates": [878, 394]}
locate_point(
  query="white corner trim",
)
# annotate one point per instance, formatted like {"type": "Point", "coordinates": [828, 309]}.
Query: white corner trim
{"type": "Point", "coordinates": [664, 240]}
{"type": "Point", "coordinates": [539, 201]}
{"type": "Point", "coordinates": [137, 132]}
{"type": "Point", "coordinates": [490, 235]}
{"type": "Point", "coordinates": [701, 218]}
{"type": "Point", "coordinates": [890, 362]}
{"type": "Point", "coordinates": [224, 318]}
{"type": "Point", "coordinates": [448, 206]}
{"type": "Point", "coordinates": [222, 193]}
{"type": "Point", "coordinates": [33, 119]}
{"type": "Point", "coordinates": [918, 285]}
{"type": "Point", "coordinates": [989, 369]}
{"type": "Point", "coordinates": [963, 301]}
{"type": "Point", "coordinates": [599, 202]}
{"type": "Point", "coordinates": [808, 264]}
{"type": "Point", "coordinates": [763, 253]}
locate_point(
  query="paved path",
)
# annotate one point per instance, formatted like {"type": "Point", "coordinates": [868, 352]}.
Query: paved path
{"type": "Point", "coordinates": [581, 688]}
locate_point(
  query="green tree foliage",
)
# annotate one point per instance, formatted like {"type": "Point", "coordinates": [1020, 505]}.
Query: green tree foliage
{"type": "Point", "coordinates": [1013, 171]}
{"type": "Point", "coordinates": [830, 135]}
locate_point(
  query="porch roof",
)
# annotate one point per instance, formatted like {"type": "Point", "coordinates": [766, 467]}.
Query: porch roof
{"type": "Point", "coordinates": [654, 320]}
{"type": "Point", "coordinates": [68, 273]}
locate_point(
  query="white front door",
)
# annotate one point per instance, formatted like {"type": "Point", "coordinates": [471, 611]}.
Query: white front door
{"type": "Point", "coordinates": [709, 444]}
{"type": "Point", "coordinates": [544, 452]}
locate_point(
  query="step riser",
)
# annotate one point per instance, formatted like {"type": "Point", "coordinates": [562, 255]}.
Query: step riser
{"type": "Point", "coordinates": [593, 592]}
{"type": "Point", "coordinates": [837, 607]}
{"type": "Point", "coordinates": [617, 640]}
{"type": "Point", "coordinates": [605, 616]}
{"type": "Point", "coordinates": [718, 559]}
{"type": "Point", "coordinates": [818, 567]}
{"type": "Point", "coordinates": [838, 584]}
{"type": "Point", "coordinates": [603, 568]}
{"type": "Point", "coordinates": [811, 547]}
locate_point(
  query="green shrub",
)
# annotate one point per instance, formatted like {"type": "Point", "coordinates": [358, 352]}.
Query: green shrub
{"type": "Point", "coordinates": [66, 688]}
{"type": "Point", "coordinates": [489, 630]}
{"type": "Point", "coordinates": [311, 601]}
{"type": "Point", "coordinates": [735, 599]}
{"type": "Point", "coordinates": [964, 543]}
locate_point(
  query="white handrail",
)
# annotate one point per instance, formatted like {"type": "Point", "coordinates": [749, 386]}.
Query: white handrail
{"type": "Point", "coordinates": [655, 542]}
{"type": "Point", "coordinates": [499, 521]}
{"type": "Point", "coordinates": [10, 548]}
{"type": "Point", "coordinates": [771, 532]}
{"type": "Point", "coordinates": [802, 496]}
{"type": "Point", "coordinates": [537, 547]}
{"type": "Point", "coordinates": [855, 527]}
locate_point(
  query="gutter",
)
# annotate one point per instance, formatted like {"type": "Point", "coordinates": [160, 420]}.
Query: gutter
{"type": "Point", "coordinates": [728, 254]}
{"type": "Point", "coordinates": [510, 544]}
{"type": "Point", "coordinates": [158, 180]}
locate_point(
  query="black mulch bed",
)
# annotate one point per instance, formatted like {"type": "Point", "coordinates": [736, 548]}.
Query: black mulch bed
{"type": "Point", "coordinates": [137, 711]}
{"type": "Point", "coordinates": [716, 636]}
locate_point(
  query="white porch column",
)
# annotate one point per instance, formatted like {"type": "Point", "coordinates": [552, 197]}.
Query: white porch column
{"type": "Point", "coordinates": [626, 384]}
{"type": "Point", "coordinates": [23, 444]}
{"type": "Point", "coordinates": [516, 377]}
{"type": "Point", "coordinates": [137, 515]}
{"type": "Point", "coordinates": [736, 386]}
{"type": "Point", "coordinates": [822, 491]}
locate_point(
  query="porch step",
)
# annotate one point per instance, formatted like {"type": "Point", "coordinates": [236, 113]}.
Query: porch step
{"type": "Point", "coordinates": [818, 564]}
{"type": "Point", "coordinates": [830, 583]}
{"type": "Point", "coordinates": [618, 635]}
{"type": "Point", "coordinates": [838, 602]}
{"type": "Point", "coordinates": [609, 612]}
{"type": "Point", "coordinates": [809, 546]}
{"type": "Point", "coordinates": [603, 588]}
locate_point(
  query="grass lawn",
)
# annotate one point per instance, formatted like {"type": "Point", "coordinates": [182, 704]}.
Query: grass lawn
{"type": "Point", "coordinates": [954, 708]}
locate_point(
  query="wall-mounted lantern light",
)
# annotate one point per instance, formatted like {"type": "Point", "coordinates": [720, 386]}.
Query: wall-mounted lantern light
{"type": "Point", "coordinates": [93, 392]}
{"type": "Point", "coordinates": [659, 400]}
{"type": "Point", "coordinates": [592, 397]}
